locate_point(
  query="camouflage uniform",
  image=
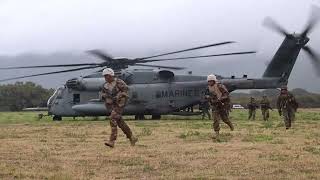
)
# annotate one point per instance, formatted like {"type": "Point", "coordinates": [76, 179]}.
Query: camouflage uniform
{"type": "Point", "coordinates": [218, 96]}
{"type": "Point", "coordinates": [265, 106]}
{"type": "Point", "coordinates": [287, 106]}
{"type": "Point", "coordinates": [115, 95]}
{"type": "Point", "coordinates": [252, 106]}
{"type": "Point", "coordinates": [204, 106]}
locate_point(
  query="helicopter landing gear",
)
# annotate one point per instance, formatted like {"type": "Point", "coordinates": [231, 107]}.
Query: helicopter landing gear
{"type": "Point", "coordinates": [139, 117]}
{"type": "Point", "coordinates": [57, 118]}
{"type": "Point", "coordinates": [156, 117]}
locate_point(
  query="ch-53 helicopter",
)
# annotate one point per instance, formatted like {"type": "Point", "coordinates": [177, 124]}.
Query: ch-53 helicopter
{"type": "Point", "coordinates": [161, 91]}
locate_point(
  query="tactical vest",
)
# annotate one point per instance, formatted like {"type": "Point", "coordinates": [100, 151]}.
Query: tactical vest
{"type": "Point", "coordinates": [252, 105]}
{"type": "Point", "coordinates": [287, 101]}
{"type": "Point", "coordinates": [117, 95]}
{"type": "Point", "coordinates": [223, 103]}
{"type": "Point", "coordinates": [265, 104]}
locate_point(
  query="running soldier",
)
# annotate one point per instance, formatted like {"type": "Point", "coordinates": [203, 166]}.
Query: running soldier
{"type": "Point", "coordinates": [115, 95]}
{"type": "Point", "coordinates": [252, 106]}
{"type": "Point", "coordinates": [287, 106]}
{"type": "Point", "coordinates": [205, 107]}
{"type": "Point", "coordinates": [218, 97]}
{"type": "Point", "coordinates": [265, 106]}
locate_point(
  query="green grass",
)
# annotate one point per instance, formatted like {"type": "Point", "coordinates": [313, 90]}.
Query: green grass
{"type": "Point", "coordinates": [267, 124]}
{"type": "Point", "coordinates": [313, 149]}
{"type": "Point", "coordinates": [279, 157]}
{"type": "Point", "coordinates": [257, 138]}
{"type": "Point", "coordinates": [145, 132]}
{"type": "Point", "coordinates": [195, 122]}
{"type": "Point", "coordinates": [189, 134]}
{"type": "Point", "coordinates": [174, 147]}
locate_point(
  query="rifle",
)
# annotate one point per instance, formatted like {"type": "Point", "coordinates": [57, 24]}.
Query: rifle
{"type": "Point", "coordinates": [265, 106]}
{"type": "Point", "coordinates": [214, 100]}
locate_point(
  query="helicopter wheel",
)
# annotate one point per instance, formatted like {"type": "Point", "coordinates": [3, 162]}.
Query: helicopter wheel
{"type": "Point", "coordinates": [139, 117]}
{"type": "Point", "coordinates": [57, 118]}
{"type": "Point", "coordinates": [156, 117]}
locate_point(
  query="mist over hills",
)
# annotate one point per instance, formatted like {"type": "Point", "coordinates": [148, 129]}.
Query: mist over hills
{"type": "Point", "coordinates": [303, 75]}
{"type": "Point", "coordinates": [56, 32]}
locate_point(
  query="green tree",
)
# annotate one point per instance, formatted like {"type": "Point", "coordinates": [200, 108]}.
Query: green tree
{"type": "Point", "coordinates": [15, 97]}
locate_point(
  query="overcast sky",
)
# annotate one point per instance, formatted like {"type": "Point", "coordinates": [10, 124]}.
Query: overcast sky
{"type": "Point", "coordinates": [135, 28]}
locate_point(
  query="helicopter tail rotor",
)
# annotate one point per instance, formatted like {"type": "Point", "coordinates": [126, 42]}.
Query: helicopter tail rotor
{"type": "Point", "coordinates": [301, 39]}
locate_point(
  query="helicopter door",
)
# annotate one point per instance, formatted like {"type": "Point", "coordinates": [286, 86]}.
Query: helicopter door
{"type": "Point", "coordinates": [76, 98]}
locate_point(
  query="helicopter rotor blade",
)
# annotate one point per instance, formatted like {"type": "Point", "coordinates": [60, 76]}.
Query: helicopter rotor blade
{"type": "Point", "coordinates": [101, 55]}
{"type": "Point", "coordinates": [48, 73]}
{"type": "Point", "coordinates": [185, 50]}
{"type": "Point", "coordinates": [315, 59]}
{"type": "Point", "coordinates": [46, 66]}
{"type": "Point", "coordinates": [158, 66]}
{"type": "Point", "coordinates": [273, 25]}
{"type": "Point", "coordinates": [313, 21]}
{"type": "Point", "coordinates": [206, 56]}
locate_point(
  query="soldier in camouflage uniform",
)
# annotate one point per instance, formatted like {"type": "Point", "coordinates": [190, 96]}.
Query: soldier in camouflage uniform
{"type": "Point", "coordinates": [252, 106]}
{"type": "Point", "coordinates": [115, 95]}
{"type": "Point", "coordinates": [205, 107]}
{"type": "Point", "coordinates": [287, 106]}
{"type": "Point", "coordinates": [265, 106]}
{"type": "Point", "coordinates": [218, 97]}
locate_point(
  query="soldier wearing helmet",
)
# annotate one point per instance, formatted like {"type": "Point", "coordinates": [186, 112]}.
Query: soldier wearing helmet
{"type": "Point", "coordinates": [218, 97]}
{"type": "Point", "coordinates": [252, 107]}
{"type": "Point", "coordinates": [115, 95]}
{"type": "Point", "coordinates": [287, 106]}
{"type": "Point", "coordinates": [205, 108]}
{"type": "Point", "coordinates": [265, 106]}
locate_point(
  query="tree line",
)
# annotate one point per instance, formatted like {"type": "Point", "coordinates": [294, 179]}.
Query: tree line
{"type": "Point", "coordinates": [15, 97]}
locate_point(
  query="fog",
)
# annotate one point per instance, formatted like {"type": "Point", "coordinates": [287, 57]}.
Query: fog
{"type": "Point", "coordinates": [54, 32]}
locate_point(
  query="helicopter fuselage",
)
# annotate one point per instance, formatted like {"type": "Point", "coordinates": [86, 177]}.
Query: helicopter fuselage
{"type": "Point", "coordinates": [150, 93]}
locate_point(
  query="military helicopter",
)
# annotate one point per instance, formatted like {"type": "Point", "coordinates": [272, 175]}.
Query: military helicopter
{"type": "Point", "coordinates": [152, 91]}
{"type": "Point", "coordinates": [161, 91]}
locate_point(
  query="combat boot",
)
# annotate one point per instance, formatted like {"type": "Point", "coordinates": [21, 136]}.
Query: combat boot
{"type": "Point", "coordinates": [229, 123]}
{"type": "Point", "coordinates": [231, 127]}
{"type": "Point", "coordinates": [110, 144]}
{"type": "Point", "coordinates": [133, 140]}
{"type": "Point", "coordinates": [215, 135]}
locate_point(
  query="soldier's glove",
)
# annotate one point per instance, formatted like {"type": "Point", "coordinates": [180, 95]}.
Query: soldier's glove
{"type": "Point", "coordinates": [122, 102]}
{"type": "Point", "coordinates": [102, 96]}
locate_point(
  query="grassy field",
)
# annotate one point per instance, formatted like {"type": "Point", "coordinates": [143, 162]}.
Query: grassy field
{"type": "Point", "coordinates": [172, 148]}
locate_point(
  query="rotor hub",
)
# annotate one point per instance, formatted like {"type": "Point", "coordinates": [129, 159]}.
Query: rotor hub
{"type": "Point", "coordinates": [300, 40]}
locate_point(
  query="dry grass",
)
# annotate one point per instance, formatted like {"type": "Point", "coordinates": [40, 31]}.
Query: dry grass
{"type": "Point", "coordinates": [167, 149]}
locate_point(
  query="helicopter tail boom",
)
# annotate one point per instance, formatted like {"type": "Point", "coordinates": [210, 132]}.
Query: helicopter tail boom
{"type": "Point", "coordinates": [283, 61]}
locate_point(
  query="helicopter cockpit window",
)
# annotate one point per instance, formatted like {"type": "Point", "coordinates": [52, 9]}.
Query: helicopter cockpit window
{"type": "Point", "coordinates": [59, 93]}
{"type": "Point", "coordinates": [76, 98]}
